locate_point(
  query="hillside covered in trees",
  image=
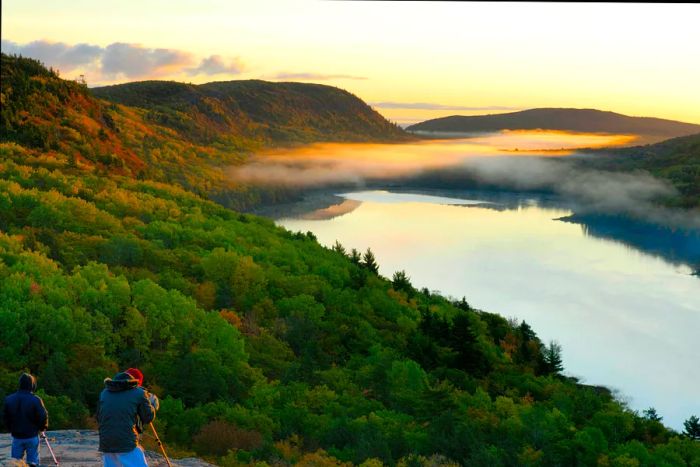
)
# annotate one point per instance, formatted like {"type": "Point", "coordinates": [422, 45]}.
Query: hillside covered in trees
{"type": "Point", "coordinates": [676, 160]}
{"type": "Point", "coordinates": [271, 113]}
{"type": "Point", "coordinates": [175, 132]}
{"type": "Point", "coordinates": [264, 346]}
{"type": "Point", "coordinates": [579, 120]}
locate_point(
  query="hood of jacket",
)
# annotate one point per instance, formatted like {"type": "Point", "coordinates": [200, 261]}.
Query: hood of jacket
{"type": "Point", "coordinates": [27, 382]}
{"type": "Point", "coordinates": [121, 382]}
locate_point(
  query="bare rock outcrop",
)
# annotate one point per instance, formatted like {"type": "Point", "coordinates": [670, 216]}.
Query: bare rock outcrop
{"type": "Point", "coordinates": [78, 448]}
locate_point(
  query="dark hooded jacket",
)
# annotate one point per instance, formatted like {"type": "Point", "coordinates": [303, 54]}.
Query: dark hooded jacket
{"type": "Point", "coordinates": [123, 407]}
{"type": "Point", "coordinates": [24, 413]}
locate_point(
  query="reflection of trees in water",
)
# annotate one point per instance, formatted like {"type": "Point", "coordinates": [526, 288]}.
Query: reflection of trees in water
{"type": "Point", "coordinates": [676, 246]}
{"type": "Point", "coordinates": [334, 210]}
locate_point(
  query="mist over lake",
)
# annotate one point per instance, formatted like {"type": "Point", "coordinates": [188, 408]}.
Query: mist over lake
{"type": "Point", "coordinates": [523, 161]}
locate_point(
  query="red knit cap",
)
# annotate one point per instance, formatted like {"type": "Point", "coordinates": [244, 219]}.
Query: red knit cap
{"type": "Point", "coordinates": [136, 374]}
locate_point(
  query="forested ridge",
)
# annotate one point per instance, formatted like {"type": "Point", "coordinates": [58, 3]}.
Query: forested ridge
{"type": "Point", "coordinates": [175, 132]}
{"type": "Point", "coordinates": [264, 346]}
{"type": "Point", "coordinates": [271, 113]}
{"type": "Point", "coordinates": [676, 160]}
{"type": "Point", "coordinates": [563, 119]}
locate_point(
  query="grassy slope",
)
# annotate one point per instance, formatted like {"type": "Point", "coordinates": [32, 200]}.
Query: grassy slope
{"type": "Point", "coordinates": [581, 120]}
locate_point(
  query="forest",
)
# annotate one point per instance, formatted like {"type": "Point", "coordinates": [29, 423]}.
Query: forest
{"type": "Point", "coordinates": [676, 160]}
{"type": "Point", "coordinates": [264, 346]}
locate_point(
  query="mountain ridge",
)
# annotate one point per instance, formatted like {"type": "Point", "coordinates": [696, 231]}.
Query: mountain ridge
{"type": "Point", "coordinates": [556, 118]}
{"type": "Point", "coordinates": [177, 133]}
{"type": "Point", "coordinates": [257, 109]}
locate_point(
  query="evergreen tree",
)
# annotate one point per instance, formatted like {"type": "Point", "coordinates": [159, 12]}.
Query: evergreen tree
{"type": "Point", "coordinates": [401, 281]}
{"type": "Point", "coordinates": [370, 262]}
{"type": "Point", "coordinates": [462, 304]}
{"type": "Point", "coordinates": [692, 428]}
{"type": "Point", "coordinates": [338, 248]}
{"type": "Point", "coordinates": [355, 256]}
{"type": "Point", "coordinates": [526, 331]}
{"type": "Point", "coordinates": [552, 357]}
{"type": "Point", "coordinates": [651, 414]}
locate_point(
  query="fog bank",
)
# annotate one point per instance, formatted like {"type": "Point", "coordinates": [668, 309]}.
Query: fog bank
{"type": "Point", "coordinates": [470, 163]}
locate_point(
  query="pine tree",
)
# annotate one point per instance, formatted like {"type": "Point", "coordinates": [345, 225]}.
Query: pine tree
{"type": "Point", "coordinates": [692, 428]}
{"type": "Point", "coordinates": [338, 248]}
{"type": "Point", "coordinates": [463, 304]}
{"type": "Point", "coordinates": [526, 331]}
{"type": "Point", "coordinates": [401, 281]}
{"type": "Point", "coordinates": [355, 256]}
{"type": "Point", "coordinates": [370, 262]}
{"type": "Point", "coordinates": [552, 357]}
{"type": "Point", "coordinates": [651, 414]}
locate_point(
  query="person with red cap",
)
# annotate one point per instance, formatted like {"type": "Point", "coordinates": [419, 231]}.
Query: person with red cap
{"type": "Point", "coordinates": [123, 409]}
{"type": "Point", "coordinates": [136, 374]}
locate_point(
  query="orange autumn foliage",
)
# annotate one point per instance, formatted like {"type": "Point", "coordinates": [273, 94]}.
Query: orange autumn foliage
{"type": "Point", "coordinates": [232, 318]}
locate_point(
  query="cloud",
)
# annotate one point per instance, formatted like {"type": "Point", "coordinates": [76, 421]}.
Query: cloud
{"type": "Point", "coordinates": [313, 76]}
{"type": "Point", "coordinates": [433, 106]}
{"type": "Point", "coordinates": [121, 60]}
{"type": "Point", "coordinates": [215, 65]}
{"type": "Point", "coordinates": [55, 54]}
{"type": "Point", "coordinates": [136, 61]}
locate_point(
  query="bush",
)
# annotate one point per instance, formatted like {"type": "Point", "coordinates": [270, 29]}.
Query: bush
{"type": "Point", "coordinates": [218, 437]}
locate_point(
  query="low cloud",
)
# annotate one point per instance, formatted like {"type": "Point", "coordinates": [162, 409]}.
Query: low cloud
{"type": "Point", "coordinates": [634, 194]}
{"type": "Point", "coordinates": [301, 76]}
{"type": "Point", "coordinates": [122, 60]}
{"type": "Point", "coordinates": [136, 61]}
{"type": "Point", "coordinates": [464, 165]}
{"type": "Point", "coordinates": [216, 64]}
{"type": "Point", "coordinates": [55, 54]}
{"type": "Point", "coordinates": [434, 106]}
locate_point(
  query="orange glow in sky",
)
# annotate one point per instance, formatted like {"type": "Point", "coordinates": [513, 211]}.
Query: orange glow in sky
{"type": "Point", "coordinates": [411, 60]}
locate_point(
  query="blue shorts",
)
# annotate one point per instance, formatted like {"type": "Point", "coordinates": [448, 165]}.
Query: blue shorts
{"type": "Point", "coordinates": [28, 445]}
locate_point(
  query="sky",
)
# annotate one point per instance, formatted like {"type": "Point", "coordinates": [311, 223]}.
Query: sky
{"type": "Point", "coordinates": [409, 60]}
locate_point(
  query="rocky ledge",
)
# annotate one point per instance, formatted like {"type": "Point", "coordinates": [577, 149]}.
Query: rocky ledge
{"type": "Point", "coordinates": [78, 448]}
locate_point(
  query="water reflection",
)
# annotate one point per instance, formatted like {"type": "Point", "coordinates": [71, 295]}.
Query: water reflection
{"type": "Point", "coordinates": [680, 247]}
{"type": "Point", "coordinates": [334, 210]}
{"type": "Point", "coordinates": [676, 246]}
{"type": "Point", "coordinates": [626, 319]}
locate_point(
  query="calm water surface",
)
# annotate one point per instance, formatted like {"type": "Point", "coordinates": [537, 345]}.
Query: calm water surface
{"type": "Point", "coordinates": [626, 319]}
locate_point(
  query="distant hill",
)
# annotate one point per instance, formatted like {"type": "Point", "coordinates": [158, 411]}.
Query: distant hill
{"type": "Point", "coordinates": [676, 160]}
{"type": "Point", "coordinates": [169, 131]}
{"type": "Point", "coordinates": [254, 109]}
{"type": "Point", "coordinates": [45, 113]}
{"type": "Point", "coordinates": [581, 120]}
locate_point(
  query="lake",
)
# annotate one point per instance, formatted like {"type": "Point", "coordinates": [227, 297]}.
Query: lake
{"type": "Point", "coordinates": [624, 308]}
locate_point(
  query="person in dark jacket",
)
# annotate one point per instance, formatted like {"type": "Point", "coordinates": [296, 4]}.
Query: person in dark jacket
{"type": "Point", "coordinates": [124, 407]}
{"type": "Point", "coordinates": [25, 417]}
